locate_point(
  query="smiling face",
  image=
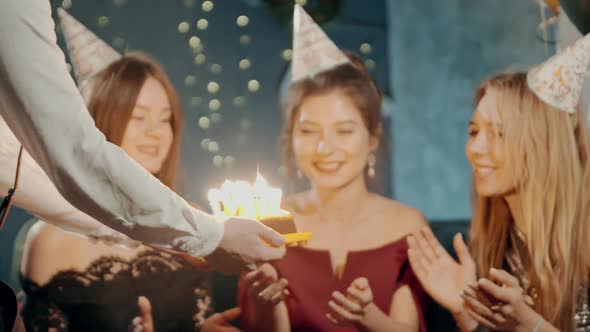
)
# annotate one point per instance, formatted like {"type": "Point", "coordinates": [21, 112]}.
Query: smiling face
{"type": "Point", "coordinates": [330, 140]}
{"type": "Point", "coordinates": [486, 148]}
{"type": "Point", "coordinates": [149, 135]}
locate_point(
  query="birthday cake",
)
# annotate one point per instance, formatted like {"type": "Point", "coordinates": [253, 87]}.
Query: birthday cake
{"type": "Point", "coordinates": [257, 201]}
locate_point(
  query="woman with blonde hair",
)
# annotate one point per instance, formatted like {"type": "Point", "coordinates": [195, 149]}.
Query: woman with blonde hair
{"type": "Point", "coordinates": [528, 147]}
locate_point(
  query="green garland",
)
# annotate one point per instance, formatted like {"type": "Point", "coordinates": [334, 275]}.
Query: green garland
{"type": "Point", "coordinates": [322, 11]}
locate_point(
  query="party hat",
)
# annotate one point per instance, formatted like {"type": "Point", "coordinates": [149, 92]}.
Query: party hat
{"type": "Point", "coordinates": [559, 80]}
{"type": "Point", "coordinates": [313, 51]}
{"type": "Point", "coordinates": [88, 53]}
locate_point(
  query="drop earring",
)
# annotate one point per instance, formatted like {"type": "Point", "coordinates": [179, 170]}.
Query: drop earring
{"type": "Point", "coordinates": [371, 161]}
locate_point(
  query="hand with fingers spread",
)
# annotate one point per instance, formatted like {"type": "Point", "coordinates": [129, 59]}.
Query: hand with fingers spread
{"type": "Point", "coordinates": [351, 308]}
{"type": "Point", "coordinates": [144, 321]}
{"type": "Point", "coordinates": [499, 303]}
{"type": "Point", "coordinates": [264, 286]}
{"type": "Point", "coordinates": [440, 275]}
{"type": "Point", "coordinates": [221, 321]}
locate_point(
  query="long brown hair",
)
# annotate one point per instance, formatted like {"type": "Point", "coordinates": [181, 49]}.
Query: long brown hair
{"type": "Point", "coordinates": [548, 149]}
{"type": "Point", "coordinates": [112, 95]}
{"type": "Point", "coordinates": [352, 79]}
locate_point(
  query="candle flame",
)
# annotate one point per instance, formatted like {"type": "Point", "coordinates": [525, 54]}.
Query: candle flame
{"type": "Point", "coordinates": [240, 198]}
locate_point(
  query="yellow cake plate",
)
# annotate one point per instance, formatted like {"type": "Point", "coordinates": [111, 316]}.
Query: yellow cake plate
{"type": "Point", "coordinates": [296, 239]}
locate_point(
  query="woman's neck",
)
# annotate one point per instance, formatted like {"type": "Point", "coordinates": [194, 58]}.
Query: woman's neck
{"type": "Point", "coordinates": [340, 204]}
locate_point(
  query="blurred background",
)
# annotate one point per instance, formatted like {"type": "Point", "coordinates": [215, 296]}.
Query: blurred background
{"type": "Point", "coordinates": [229, 60]}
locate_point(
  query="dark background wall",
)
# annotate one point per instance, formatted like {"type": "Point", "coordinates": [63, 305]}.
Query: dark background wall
{"type": "Point", "coordinates": [439, 51]}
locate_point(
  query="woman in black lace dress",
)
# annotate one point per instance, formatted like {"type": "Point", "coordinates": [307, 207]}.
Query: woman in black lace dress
{"type": "Point", "coordinates": [74, 284]}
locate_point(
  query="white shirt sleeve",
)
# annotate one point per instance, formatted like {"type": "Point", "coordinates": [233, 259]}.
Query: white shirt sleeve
{"type": "Point", "coordinates": [42, 106]}
{"type": "Point", "coordinates": [37, 194]}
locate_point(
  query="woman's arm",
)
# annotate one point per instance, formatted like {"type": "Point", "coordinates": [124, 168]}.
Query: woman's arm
{"type": "Point", "coordinates": [262, 297]}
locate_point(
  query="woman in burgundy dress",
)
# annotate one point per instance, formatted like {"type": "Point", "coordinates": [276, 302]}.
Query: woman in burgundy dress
{"type": "Point", "coordinates": [354, 273]}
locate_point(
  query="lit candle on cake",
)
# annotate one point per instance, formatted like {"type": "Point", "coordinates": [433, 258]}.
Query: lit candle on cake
{"type": "Point", "coordinates": [257, 201]}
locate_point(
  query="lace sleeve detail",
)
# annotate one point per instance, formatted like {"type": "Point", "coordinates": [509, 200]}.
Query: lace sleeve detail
{"type": "Point", "coordinates": [39, 313]}
{"type": "Point", "coordinates": [203, 306]}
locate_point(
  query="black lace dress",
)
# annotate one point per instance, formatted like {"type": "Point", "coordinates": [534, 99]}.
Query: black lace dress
{"type": "Point", "coordinates": [104, 297]}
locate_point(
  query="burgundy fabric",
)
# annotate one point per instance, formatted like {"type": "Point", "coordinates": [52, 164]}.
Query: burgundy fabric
{"type": "Point", "coordinates": [312, 281]}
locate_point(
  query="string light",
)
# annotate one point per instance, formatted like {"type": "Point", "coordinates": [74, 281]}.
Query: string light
{"type": "Point", "coordinates": [214, 105]}
{"type": "Point", "coordinates": [189, 3]}
{"type": "Point", "coordinates": [207, 6]}
{"type": "Point", "coordinates": [366, 48]}
{"type": "Point", "coordinates": [202, 24]}
{"type": "Point", "coordinates": [199, 48]}
{"type": "Point", "coordinates": [183, 27]}
{"type": "Point", "coordinates": [245, 40]}
{"type": "Point", "coordinates": [190, 80]}
{"type": "Point", "coordinates": [287, 54]}
{"type": "Point", "coordinates": [244, 64]}
{"type": "Point", "coordinates": [216, 68]}
{"type": "Point", "coordinates": [253, 85]}
{"type": "Point", "coordinates": [195, 101]}
{"type": "Point", "coordinates": [103, 21]}
{"type": "Point", "coordinates": [242, 21]}
{"type": "Point", "coordinates": [205, 143]}
{"type": "Point", "coordinates": [204, 122]}
{"type": "Point", "coordinates": [218, 161]}
{"type": "Point", "coordinates": [200, 59]}
{"type": "Point", "coordinates": [212, 87]}
{"type": "Point", "coordinates": [370, 64]}
{"type": "Point", "coordinates": [194, 41]}
{"type": "Point", "coordinates": [229, 161]}
{"type": "Point", "coordinates": [239, 101]}
{"type": "Point", "coordinates": [66, 4]}
{"type": "Point", "coordinates": [118, 42]}
{"type": "Point", "coordinates": [213, 147]}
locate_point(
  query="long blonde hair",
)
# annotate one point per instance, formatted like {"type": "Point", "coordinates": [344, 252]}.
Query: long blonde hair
{"type": "Point", "coordinates": [548, 150]}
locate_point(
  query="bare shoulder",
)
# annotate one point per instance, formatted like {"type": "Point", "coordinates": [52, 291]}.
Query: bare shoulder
{"type": "Point", "coordinates": [406, 219]}
{"type": "Point", "coordinates": [42, 251]}
{"type": "Point", "coordinates": [39, 238]}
